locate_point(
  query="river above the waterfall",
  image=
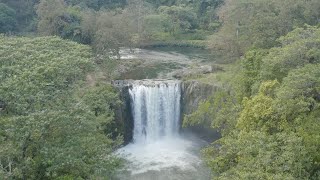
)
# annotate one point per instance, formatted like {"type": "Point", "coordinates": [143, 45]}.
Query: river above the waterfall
{"type": "Point", "coordinates": [163, 63]}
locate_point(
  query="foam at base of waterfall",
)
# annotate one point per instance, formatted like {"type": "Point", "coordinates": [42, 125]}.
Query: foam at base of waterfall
{"type": "Point", "coordinates": [174, 152]}
{"type": "Point", "coordinates": [158, 150]}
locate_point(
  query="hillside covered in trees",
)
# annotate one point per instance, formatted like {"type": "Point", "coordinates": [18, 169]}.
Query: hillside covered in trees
{"type": "Point", "coordinates": [268, 106]}
{"type": "Point", "coordinates": [57, 107]}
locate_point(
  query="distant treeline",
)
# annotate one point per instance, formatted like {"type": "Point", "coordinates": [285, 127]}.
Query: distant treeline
{"type": "Point", "coordinates": [107, 25]}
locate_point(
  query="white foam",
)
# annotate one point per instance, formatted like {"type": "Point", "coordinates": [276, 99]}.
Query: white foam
{"type": "Point", "coordinates": [165, 153]}
{"type": "Point", "coordinates": [157, 145]}
{"type": "Point", "coordinates": [156, 110]}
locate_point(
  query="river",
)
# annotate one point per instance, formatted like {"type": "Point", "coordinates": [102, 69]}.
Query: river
{"type": "Point", "coordinates": [161, 149]}
{"type": "Point", "coordinates": [164, 62]}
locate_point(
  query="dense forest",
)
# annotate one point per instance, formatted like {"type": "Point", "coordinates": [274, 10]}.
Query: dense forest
{"type": "Point", "coordinates": [57, 109]}
{"type": "Point", "coordinates": [268, 108]}
{"type": "Point", "coordinates": [107, 25]}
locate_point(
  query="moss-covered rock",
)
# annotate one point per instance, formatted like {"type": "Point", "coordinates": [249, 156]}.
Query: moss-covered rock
{"type": "Point", "coordinates": [194, 92]}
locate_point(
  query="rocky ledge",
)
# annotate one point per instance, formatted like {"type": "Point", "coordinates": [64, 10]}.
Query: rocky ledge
{"type": "Point", "coordinates": [192, 93]}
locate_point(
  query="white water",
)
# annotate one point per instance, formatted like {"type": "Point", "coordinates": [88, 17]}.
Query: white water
{"type": "Point", "coordinates": [158, 150]}
{"type": "Point", "coordinates": [156, 111]}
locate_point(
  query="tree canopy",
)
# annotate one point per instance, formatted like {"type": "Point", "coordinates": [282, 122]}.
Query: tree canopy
{"type": "Point", "coordinates": [269, 118]}
{"type": "Point", "coordinates": [8, 20]}
{"type": "Point", "coordinates": [52, 125]}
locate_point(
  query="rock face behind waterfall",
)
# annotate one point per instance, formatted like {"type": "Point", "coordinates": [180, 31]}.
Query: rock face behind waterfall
{"type": "Point", "coordinates": [151, 108]}
{"type": "Point", "coordinates": [192, 93]}
{"type": "Point", "coordinates": [157, 148]}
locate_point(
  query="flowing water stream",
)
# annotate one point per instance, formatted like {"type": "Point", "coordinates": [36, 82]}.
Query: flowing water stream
{"type": "Point", "coordinates": [159, 150]}
{"type": "Point", "coordinates": [163, 62]}
{"type": "Point", "coordinates": [156, 110]}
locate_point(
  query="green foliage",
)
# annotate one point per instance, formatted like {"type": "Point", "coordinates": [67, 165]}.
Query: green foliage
{"type": "Point", "coordinates": [24, 14]}
{"type": "Point", "coordinates": [103, 100]}
{"type": "Point", "coordinates": [259, 113]}
{"type": "Point", "coordinates": [183, 18]}
{"type": "Point", "coordinates": [52, 17]}
{"type": "Point", "coordinates": [50, 20]}
{"type": "Point", "coordinates": [53, 144]}
{"type": "Point", "coordinates": [221, 107]}
{"type": "Point", "coordinates": [56, 66]}
{"type": "Point", "coordinates": [272, 131]}
{"type": "Point", "coordinates": [259, 23]}
{"type": "Point", "coordinates": [154, 25]}
{"type": "Point", "coordinates": [300, 90]}
{"type": "Point", "coordinates": [97, 4]}
{"type": "Point", "coordinates": [78, 19]}
{"type": "Point", "coordinates": [251, 65]}
{"type": "Point", "coordinates": [7, 18]}
{"type": "Point", "coordinates": [55, 18]}
{"type": "Point", "coordinates": [113, 31]}
{"type": "Point", "coordinates": [299, 47]}
{"type": "Point", "coordinates": [109, 30]}
{"type": "Point", "coordinates": [50, 128]}
{"type": "Point", "coordinates": [206, 11]}
{"type": "Point", "coordinates": [158, 3]}
{"type": "Point", "coordinates": [255, 155]}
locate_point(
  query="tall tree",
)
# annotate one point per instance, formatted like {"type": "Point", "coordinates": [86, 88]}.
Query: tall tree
{"type": "Point", "coordinates": [258, 23]}
{"type": "Point", "coordinates": [53, 126]}
{"type": "Point", "coordinates": [52, 16]}
{"type": "Point", "coordinates": [8, 20]}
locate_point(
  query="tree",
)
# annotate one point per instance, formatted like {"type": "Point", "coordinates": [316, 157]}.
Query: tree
{"type": "Point", "coordinates": [136, 12]}
{"type": "Point", "coordinates": [258, 23]}
{"type": "Point", "coordinates": [25, 14]}
{"type": "Point", "coordinates": [112, 33]}
{"type": "Point", "coordinates": [156, 26]}
{"type": "Point", "coordinates": [251, 65]}
{"type": "Point", "coordinates": [25, 91]}
{"type": "Point", "coordinates": [97, 4]}
{"type": "Point", "coordinates": [55, 18]}
{"type": "Point", "coordinates": [206, 11]}
{"type": "Point", "coordinates": [51, 15]}
{"type": "Point", "coordinates": [298, 100]}
{"type": "Point", "coordinates": [53, 126]}
{"type": "Point", "coordinates": [258, 112]}
{"type": "Point", "coordinates": [183, 18]}
{"type": "Point", "coordinates": [256, 155]}
{"type": "Point", "coordinates": [8, 20]}
{"type": "Point", "coordinates": [158, 3]}
{"type": "Point", "coordinates": [88, 26]}
{"type": "Point", "coordinates": [299, 47]}
{"type": "Point", "coordinates": [272, 131]}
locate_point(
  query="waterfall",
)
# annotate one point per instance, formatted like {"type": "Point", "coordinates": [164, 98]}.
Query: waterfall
{"type": "Point", "coordinates": [158, 150]}
{"type": "Point", "coordinates": [156, 109]}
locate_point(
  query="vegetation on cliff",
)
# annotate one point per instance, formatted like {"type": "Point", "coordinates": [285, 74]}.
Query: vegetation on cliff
{"type": "Point", "coordinates": [57, 114]}
{"type": "Point", "coordinates": [268, 109]}
{"type": "Point", "coordinates": [53, 125]}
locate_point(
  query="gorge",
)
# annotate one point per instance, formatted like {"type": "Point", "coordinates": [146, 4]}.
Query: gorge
{"type": "Point", "coordinates": [154, 105]}
{"type": "Point", "coordinates": [158, 148]}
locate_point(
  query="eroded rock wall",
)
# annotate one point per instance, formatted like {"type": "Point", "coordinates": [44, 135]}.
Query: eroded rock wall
{"type": "Point", "coordinates": [194, 92]}
{"type": "Point", "coordinates": [123, 113]}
